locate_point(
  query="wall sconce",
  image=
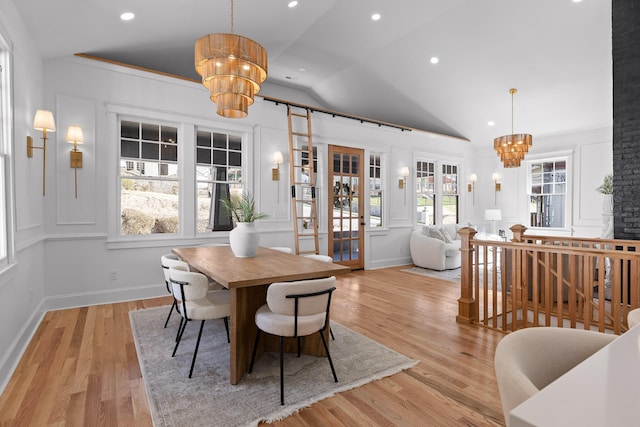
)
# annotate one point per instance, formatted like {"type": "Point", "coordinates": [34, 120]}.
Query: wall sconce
{"type": "Point", "coordinates": [74, 136]}
{"type": "Point", "coordinates": [472, 186]}
{"type": "Point", "coordinates": [43, 121]}
{"type": "Point", "coordinates": [402, 182]}
{"type": "Point", "coordinates": [496, 182]}
{"type": "Point", "coordinates": [275, 172]}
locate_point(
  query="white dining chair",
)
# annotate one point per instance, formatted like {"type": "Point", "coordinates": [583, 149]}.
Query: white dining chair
{"type": "Point", "coordinates": [167, 261]}
{"type": "Point", "coordinates": [295, 309]}
{"type": "Point", "coordinates": [197, 302]}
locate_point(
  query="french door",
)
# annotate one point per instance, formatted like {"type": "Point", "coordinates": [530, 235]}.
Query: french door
{"type": "Point", "coordinates": [346, 206]}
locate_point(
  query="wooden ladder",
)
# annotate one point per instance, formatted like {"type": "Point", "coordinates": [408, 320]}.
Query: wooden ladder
{"type": "Point", "coordinates": [303, 180]}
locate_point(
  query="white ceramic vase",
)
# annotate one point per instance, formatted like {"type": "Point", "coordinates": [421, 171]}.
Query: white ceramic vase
{"type": "Point", "coordinates": [244, 240]}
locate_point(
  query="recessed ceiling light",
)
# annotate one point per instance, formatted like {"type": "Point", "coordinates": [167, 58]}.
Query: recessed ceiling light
{"type": "Point", "coordinates": [293, 3]}
{"type": "Point", "coordinates": [375, 17]}
{"type": "Point", "coordinates": [127, 16]}
{"type": "Point", "coordinates": [302, 69]}
{"type": "Point", "coordinates": [435, 60]}
{"type": "Point", "coordinates": [577, 1]}
{"type": "Point", "coordinates": [491, 123]}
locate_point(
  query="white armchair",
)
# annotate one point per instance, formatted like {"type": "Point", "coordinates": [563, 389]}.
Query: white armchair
{"type": "Point", "coordinates": [435, 253]}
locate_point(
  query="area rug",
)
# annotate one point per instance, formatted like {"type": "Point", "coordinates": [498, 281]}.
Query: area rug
{"type": "Point", "coordinates": [450, 275]}
{"type": "Point", "coordinates": [208, 399]}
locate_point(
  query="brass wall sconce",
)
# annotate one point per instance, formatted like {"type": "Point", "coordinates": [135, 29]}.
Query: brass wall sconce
{"type": "Point", "coordinates": [275, 172]}
{"type": "Point", "coordinates": [471, 187]}
{"type": "Point", "coordinates": [74, 136]}
{"type": "Point", "coordinates": [402, 182]}
{"type": "Point", "coordinates": [497, 187]}
{"type": "Point", "coordinates": [43, 121]}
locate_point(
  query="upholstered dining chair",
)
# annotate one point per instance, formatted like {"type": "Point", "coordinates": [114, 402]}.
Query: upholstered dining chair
{"type": "Point", "coordinates": [196, 302]}
{"type": "Point", "coordinates": [295, 309]}
{"type": "Point", "coordinates": [529, 359]}
{"type": "Point", "coordinates": [284, 249]}
{"type": "Point", "coordinates": [323, 258]}
{"type": "Point", "coordinates": [167, 261]}
{"type": "Point", "coordinates": [633, 318]}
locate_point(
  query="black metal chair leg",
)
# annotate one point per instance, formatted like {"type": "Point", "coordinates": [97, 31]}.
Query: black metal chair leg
{"type": "Point", "coordinates": [180, 332]}
{"type": "Point", "coordinates": [324, 342]}
{"type": "Point", "coordinates": [179, 327]}
{"type": "Point", "coordinates": [281, 371]}
{"type": "Point", "coordinates": [226, 325]}
{"type": "Point", "coordinates": [331, 332]}
{"type": "Point", "coordinates": [298, 346]}
{"type": "Point", "coordinates": [195, 352]}
{"type": "Point", "coordinates": [253, 354]}
{"type": "Point", "coordinates": [170, 311]}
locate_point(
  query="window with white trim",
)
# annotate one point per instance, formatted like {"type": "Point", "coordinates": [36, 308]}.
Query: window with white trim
{"type": "Point", "coordinates": [149, 193]}
{"type": "Point", "coordinates": [425, 192]}
{"type": "Point", "coordinates": [375, 190]}
{"type": "Point", "coordinates": [218, 177]}
{"type": "Point", "coordinates": [450, 205]}
{"type": "Point", "coordinates": [548, 193]}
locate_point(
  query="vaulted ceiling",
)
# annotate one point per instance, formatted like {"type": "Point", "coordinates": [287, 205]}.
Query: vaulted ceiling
{"type": "Point", "coordinates": [557, 53]}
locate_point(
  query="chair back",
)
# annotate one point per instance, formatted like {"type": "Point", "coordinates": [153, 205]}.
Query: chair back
{"type": "Point", "coordinates": [301, 298]}
{"type": "Point", "coordinates": [188, 285]}
{"type": "Point", "coordinates": [170, 260]}
{"type": "Point", "coordinates": [529, 359]}
{"type": "Point", "coordinates": [323, 258]}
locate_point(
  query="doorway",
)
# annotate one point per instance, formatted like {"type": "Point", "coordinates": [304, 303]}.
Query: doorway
{"type": "Point", "coordinates": [346, 206]}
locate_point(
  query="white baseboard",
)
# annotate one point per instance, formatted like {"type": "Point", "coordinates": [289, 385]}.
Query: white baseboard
{"type": "Point", "coordinates": [12, 356]}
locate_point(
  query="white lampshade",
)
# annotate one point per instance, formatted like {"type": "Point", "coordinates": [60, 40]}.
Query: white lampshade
{"type": "Point", "coordinates": [74, 134]}
{"type": "Point", "coordinates": [493, 214]}
{"type": "Point", "coordinates": [44, 121]}
{"type": "Point", "coordinates": [277, 157]}
{"type": "Point", "coordinates": [473, 177]}
{"type": "Point", "coordinates": [495, 176]}
{"type": "Point", "coordinates": [404, 171]}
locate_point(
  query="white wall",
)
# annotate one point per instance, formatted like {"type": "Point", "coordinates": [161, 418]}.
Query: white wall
{"type": "Point", "coordinates": [22, 285]}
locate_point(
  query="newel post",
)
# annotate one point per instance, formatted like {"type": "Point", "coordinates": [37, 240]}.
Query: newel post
{"type": "Point", "coordinates": [518, 231]}
{"type": "Point", "coordinates": [466, 303]}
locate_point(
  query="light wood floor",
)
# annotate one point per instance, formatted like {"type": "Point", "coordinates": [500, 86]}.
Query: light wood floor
{"type": "Point", "coordinates": [81, 368]}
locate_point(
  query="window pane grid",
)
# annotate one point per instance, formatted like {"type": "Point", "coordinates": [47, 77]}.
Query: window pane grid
{"type": "Point", "coordinates": [375, 190]}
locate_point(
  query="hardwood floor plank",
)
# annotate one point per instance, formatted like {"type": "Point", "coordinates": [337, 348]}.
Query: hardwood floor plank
{"type": "Point", "coordinates": [81, 367]}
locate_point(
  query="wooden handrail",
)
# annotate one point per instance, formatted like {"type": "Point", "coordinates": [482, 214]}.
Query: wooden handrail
{"type": "Point", "coordinates": [548, 280]}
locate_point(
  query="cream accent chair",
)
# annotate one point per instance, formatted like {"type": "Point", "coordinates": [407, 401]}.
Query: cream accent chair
{"type": "Point", "coordinates": [529, 359]}
{"type": "Point", "coordinates": [295, 309]}
{"type": "Point", "coordinates": [196, 302]}
{"type": "Point", "coordinates": [435, 254]}
{"type": "Point", "coordinates": [633, 318]}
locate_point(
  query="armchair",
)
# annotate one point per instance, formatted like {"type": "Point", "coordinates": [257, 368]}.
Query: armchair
{"type": "Point", "coordinates": [433, 252]}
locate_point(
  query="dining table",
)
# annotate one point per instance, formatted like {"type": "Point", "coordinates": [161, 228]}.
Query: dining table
{"type": "Point", "coordinates": [247, 280]}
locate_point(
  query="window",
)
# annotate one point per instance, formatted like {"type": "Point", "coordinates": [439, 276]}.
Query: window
{"type": "Point", "coordinates": [450, 208]}
{"type": "Point", "coordinates": [547, 193]}
{"type": "Point", "coordinates": [218, 176]}
{"type": "Point", "coordinates": [375, 190]}
{"type": "Point", "coordinates": [149, 195]}
{"type": "Point", "coordinates": [426, 192]}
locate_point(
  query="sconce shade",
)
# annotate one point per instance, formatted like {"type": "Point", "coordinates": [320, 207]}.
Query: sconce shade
{"type": "Point", "coordinates": [43, 121]}
{"type": "Point", "coordinates": [277, 157]}
{"type": "Point", "coordinates": [404, 171]}
{"type": "Point", "coordinates": [473, 177]}
{"type": "Point", "coordinates": [74, 135]}
{"type": "Point", "coordinates": [493, 214]}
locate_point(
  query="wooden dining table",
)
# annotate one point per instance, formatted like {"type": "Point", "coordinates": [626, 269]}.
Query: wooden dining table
{"type": "Point", "coordinates": [247, 279]}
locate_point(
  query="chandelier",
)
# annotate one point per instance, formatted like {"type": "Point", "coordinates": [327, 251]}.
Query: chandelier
{"type": "Point", "coordinates": [232, 68]}
{"type": "Point", "coordinates": [512, 148]}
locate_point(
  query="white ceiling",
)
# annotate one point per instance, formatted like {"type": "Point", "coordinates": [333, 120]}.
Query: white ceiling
{"type": "Point", "coordinates": [557, 53]}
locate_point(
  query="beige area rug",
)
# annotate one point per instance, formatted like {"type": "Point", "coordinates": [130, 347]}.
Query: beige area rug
{"type": "Point", "coordinates": [208, 399]}
{"type": "Point", "coordinates": [450, 275]}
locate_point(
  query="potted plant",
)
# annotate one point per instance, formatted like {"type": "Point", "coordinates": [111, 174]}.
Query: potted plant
{"type": "Point", "coordinates": [244, 238]}
{"type": "Point", "coordinates": [607, 189]}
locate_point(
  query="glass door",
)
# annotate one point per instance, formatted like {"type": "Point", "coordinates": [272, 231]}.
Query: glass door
{"type": "Point", "coordinates": [346, 208]}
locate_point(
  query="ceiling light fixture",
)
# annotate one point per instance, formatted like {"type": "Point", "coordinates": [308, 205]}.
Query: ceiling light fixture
{"type": "Point", "coordinates": [232, 68]}
{"type": "Point", "coordinates": [512, 148]}
{"type": "Point", "coordinates": [376, 17]}
{"type": "Point", "coordinates": [127, 16]}
{"type": "Point", "coordinates": [435, 60]}
{"type": "Point", "coordinates": [293, 3]}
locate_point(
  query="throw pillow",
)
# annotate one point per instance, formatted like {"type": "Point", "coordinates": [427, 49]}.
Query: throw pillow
{"type": "Point", "coordinates": [432, 231]}
{"type": "Point", "coordinates": [445, 234]}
